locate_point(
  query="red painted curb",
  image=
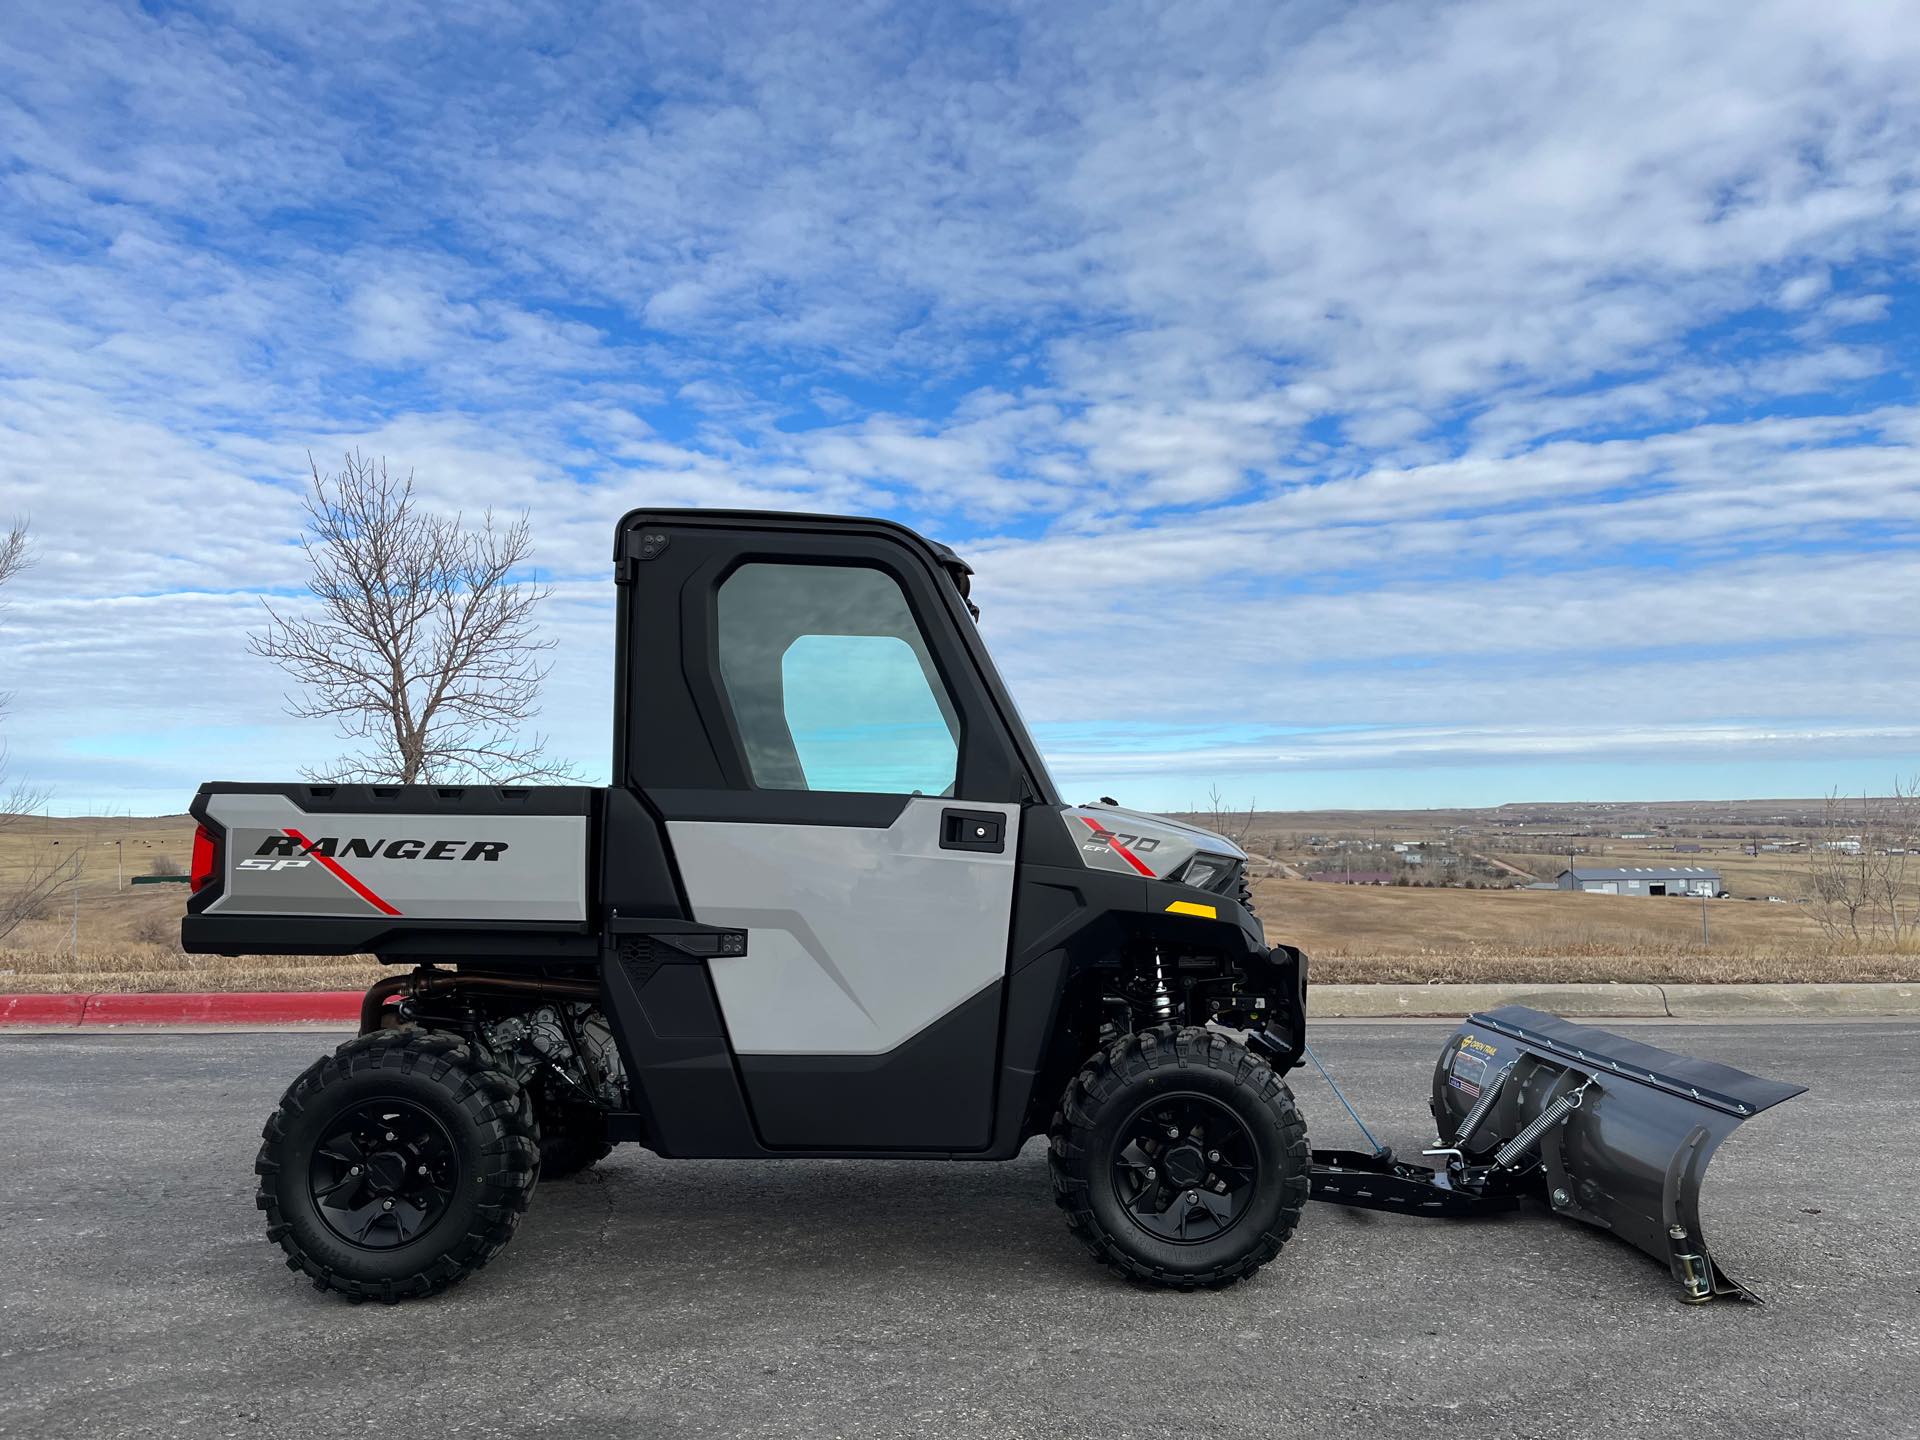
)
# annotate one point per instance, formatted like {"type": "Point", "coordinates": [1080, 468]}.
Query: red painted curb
{"type": "Point", "coordinates": [42, 1009]}
{"type": "Point", "coordinates": [289, 1007]}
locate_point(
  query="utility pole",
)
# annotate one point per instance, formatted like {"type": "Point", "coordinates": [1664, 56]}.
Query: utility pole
{"type": "Point", "coordinates": [1706, 941]}
{"type": "Point", "coordinates": [117, 856]}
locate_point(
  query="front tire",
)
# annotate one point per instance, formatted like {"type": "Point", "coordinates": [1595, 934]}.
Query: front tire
{"type": "Point", "coordinates": [397, 1166]}
{"type": "Point", "coordinates": [1180, 1158]}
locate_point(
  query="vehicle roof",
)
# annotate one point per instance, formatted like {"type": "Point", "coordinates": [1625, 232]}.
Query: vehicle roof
{"type": "Point", "coordinates": [784, 519]}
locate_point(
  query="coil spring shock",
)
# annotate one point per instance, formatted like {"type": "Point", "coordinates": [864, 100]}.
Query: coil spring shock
{"type": "Point", "coordinates": [1516, 1148]}
{"type": "Point", "coordinates": [1162, 996]}
{"type": "Point", "coordinates": [1483, 1105]}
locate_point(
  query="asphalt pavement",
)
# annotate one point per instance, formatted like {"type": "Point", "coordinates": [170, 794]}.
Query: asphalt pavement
{"type": "Point", "coordinates": [713, 1298]}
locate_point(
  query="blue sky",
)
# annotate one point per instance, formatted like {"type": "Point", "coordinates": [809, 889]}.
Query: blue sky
{"type": "Point", "coordinates": [1342, 404]}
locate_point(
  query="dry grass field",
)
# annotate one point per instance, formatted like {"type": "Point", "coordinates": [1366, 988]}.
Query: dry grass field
{"type": "Point", "coordinates": [126, 937]}
{"type": "Point", "coordinates": [1370, 933]}
{"type": "Point", "coordinates": [1364, 933]}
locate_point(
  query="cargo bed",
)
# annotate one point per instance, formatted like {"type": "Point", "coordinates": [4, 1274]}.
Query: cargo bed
{"type": "Point", "coordinates": [405, 871]}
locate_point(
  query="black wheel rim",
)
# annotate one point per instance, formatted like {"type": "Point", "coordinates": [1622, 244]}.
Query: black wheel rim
{"type": "Point", "coordinates": [383, 1173]}
{"type": "Point", "coordinates": [1185, 1168]}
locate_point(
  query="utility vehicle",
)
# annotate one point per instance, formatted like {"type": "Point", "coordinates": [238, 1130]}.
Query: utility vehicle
{"type": "Point", "coordinates": [831, 905]}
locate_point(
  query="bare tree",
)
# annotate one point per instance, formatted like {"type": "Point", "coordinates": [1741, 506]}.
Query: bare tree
{"type": "Point", "coordinates": [1861, 873]}
{"type": "Point", "coordinates": [422, 642]}
{"type": "Point", "coordinates": [15, 556]}
{"type": "Point", "coordinates": [13, 551]}
{"type": "Point", "coordinates": [1836, 877]}
{"type": "Point", "coordinates": [1893, 831]}
{"type": "Point", "coordinates": [33, 884]}
{"type": "Point", "coordinates": [1224, 819]}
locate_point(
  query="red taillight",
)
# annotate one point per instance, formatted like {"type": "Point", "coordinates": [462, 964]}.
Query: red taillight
{"type": "Point", "coordinates": [205, 859]}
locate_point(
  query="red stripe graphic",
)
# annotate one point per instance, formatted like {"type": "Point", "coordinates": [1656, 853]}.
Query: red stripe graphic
{"type": "Point", "coordinates": [1122, 851]}
{"type": "Point", "coordinates": [339, 872]}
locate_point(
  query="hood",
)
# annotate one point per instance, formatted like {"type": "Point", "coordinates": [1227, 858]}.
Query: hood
{"type": "Point", "coordinates": [1110, 837]}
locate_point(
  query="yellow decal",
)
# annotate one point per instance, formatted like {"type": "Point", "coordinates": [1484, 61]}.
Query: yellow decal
{"type": "Point", "coordinates": [1189, 907]}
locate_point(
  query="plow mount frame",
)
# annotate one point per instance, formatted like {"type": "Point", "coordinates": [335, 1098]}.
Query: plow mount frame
{"type": "Point", "coordinates": [1379, 1182]}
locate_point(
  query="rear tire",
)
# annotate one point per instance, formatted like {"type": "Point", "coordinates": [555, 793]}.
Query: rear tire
{"type": "Point", "coordinates": [397, 1166]}
{"type": "Point", "coordinates": [1180, 1158]}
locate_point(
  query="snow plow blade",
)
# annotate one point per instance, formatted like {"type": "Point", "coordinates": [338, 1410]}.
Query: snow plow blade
{"type": "Point", "coordinates": [1603, 1129]}
{"type": "Point", "coordinates": [1611, 1131]}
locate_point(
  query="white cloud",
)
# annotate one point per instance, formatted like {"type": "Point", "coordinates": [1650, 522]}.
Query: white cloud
{"type": "Point", "coordinates": [1803, 290]}
{"type": "Point", "coordinates": [397, 324]}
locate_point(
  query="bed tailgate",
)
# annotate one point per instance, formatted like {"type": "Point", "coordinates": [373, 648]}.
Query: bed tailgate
{"type": "Point", "coordinates": [385, 858]}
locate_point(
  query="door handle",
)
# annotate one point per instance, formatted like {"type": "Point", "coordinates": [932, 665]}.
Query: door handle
{"type": "Point", "coordinates": [973, 830]}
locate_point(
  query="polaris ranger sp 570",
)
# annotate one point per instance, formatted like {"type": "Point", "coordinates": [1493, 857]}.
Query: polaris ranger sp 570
{"type": "Point", "coordinates": [832, 905]}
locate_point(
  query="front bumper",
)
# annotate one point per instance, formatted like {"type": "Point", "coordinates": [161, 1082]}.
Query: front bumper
{"type": "Point", "coordinates": [1285, 1036]}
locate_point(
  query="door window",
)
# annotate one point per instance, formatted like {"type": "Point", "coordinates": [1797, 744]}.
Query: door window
{"type": "Point", "coordinates": [831, 682]}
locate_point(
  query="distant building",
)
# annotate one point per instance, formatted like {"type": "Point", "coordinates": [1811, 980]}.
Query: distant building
{"type": "Point", "coordinates": [1685, 849]}
{"type": "Point", "coordinates": [1353, 877]}
{"type": "Point", "coordinates": [1642, 880]}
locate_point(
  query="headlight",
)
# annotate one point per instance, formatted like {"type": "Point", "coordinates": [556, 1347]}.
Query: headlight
{"type": "Point", "coordinates": [1203, 872]}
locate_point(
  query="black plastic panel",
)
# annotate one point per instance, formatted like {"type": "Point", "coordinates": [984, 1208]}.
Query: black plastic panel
{"type": "Point", "coordinates": [424, 799]}
{"type": "Point", "coordinates": [636, 871]}
{"type": "Point", "coordinates": [933, 1092]}
{"type": "Point", "coordinates": [1081, 909]}
{"type": "Point", "coordinates": [781, 807]}
{"type": "Point", "coordinates": [392, 942]}
{"type": "Point", "coordinates": [1031, 1075]}
{"type": "Point", "coordinates": [678, 1003]}
{"type": "Point", "coordinates": [686, 1094]}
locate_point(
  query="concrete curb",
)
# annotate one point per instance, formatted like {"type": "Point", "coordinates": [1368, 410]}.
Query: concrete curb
{"type": "Point", "coordinates": [1647, 1002]}
{"type": "Point", "coordinates": [45, 1010]}
{"type": "Point", "coordinates": [1357, 1002]}
{"type": "Point", "coordinates": [1690, 1002]}
{"type": "Point", "coordinates": [336, 1008]}
{"type": "Point", "coordinates": [282, 1007]}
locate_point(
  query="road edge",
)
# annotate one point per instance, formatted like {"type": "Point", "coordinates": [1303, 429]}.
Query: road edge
{"type": "Point", "coordinates": [1826, 1000]}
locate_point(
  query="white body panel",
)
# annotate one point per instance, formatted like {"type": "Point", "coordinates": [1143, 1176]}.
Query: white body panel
{"type": "Point", "coordinates": [537, 870]}
{"type": "Point", "coordinates": [1134, 842]}
{"type": "Point", "coordinates": [859, 938]}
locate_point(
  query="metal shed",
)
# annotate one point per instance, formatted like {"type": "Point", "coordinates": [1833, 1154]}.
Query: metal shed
{"type": "Point", "coordinates": [1642, 880]}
